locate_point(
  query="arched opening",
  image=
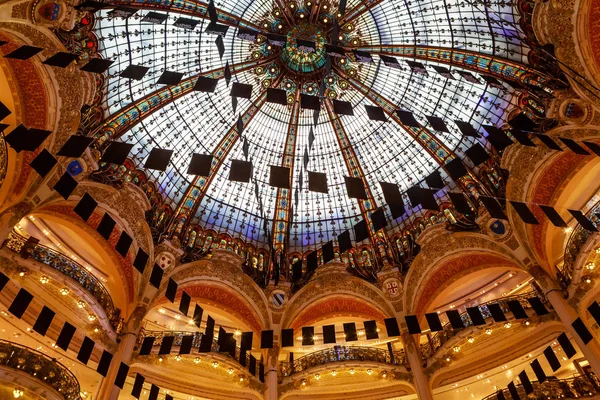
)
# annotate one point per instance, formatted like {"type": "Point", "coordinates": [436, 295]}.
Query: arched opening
{"type": "Point", "coordinates": [78, 241]}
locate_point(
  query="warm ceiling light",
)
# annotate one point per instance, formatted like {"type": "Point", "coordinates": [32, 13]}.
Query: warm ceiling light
{"type": "Point", "coordinates": [384, 374]}
{"type": "Point", "coordinates": [160, 359]}
{"type": "Point", "coordinates": [333, 372]}
{"type": "Point", "coordinates": [81, 304]}
{"type": "Point", "coordinates": [237, 332]}
{"type": "Point", "coordinates": [301, 15]}
{"type": "Point", "coordinates": [17, 393]}
{"type": "Point", "coordinates": [230, 371]}
{"type": "Point", "coordinates": [265, 25]}
{"type": "Point", "coordinates": [588, 280]}
{"type": "Point", "coordinates": [161, 310]}
{"type": "Point", "coordinates": [309, 4]}
{"type": "Point", "coordinates": [303, 382]}
{"type": "Point", "coordinates": [325, 20]}
{"type": "Point", "coordinates": [369, 371]}
{"type": "Point", "coordinates": [277, 13]}
{"type": "Point", "coordinates": [488, 331]}
{"type": "Point", "coordinates": [292, 6]}
{"type": "Point", "coordinates": [590, 266]}
{"type": "Point", "coordinates": [471, 339]}
{"type": "Point", "coordinates": [64, 291]}
{"type": "Point", "coordinates": [91, 318]}
{"type": "Point", "coordinates": [456, 349]}
{"type": "Point", "coordinates": [280, 26]}
{"type": "Point", "coordinates": [352, 371]}
{"type": "Point", "coordinates": [340, 37]}
{"type": "Point", "coordinates": [215, 364]}
{"type": "Point", "coordinates": [325, 7]}
{"type": "Point", "coordinates": [447, 359]}
{"type": "Point", "coordinates": [241, 379]}
{"type": "Point", "coordinates": [197, 360]}
{"type": "Point", "coordinates": [44, 279]}
{"type": "Point", "coordinates": [317, 377]}
{"type": "Point", "coordinates": [177, 358]}
{"type": "Point", "coordinates": [507, 325]}
{"type": "Point", "coordinates": [527, 323]}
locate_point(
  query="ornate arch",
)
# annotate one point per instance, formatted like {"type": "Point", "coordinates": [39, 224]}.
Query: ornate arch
{"type": "Point", "coordinates": [222, 296]}
{"type": "Point", "coordinates": [48, 98]}
{"type": "Point", "coordinates": [125, 207]}
{"type": "Point", "coordinates": [333, 291]}
{"type": "Point", "coordinates": [333, 305]}
{"type": "Point", "coordinates": [541, 176]}
{"type": "Point", "coordinates": [225, 273]}
{"type": "Point", "coordinates": [447, 258]}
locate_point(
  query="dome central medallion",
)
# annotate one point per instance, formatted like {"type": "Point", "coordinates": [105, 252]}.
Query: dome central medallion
{"type": "Point", "coordinates": [298, 59]}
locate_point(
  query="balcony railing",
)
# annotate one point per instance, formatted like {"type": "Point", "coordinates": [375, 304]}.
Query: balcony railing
{"type": "Point", "coordinates": [160, 335]}
{"type": "Point", "coordinates": [436, 341]}
{"type": "Point", "coordinates": [40, 366]}
{"type": "Point", "coordinates": [573, 388]}
{"type": "Point", "coordinates": [343, 353]}
{"type": "Point", "coordinates": [73, 270]}
{"type": "Point", "coordinates": [579, 237]}
{"type": "Point", "coordinates": [3, 159]}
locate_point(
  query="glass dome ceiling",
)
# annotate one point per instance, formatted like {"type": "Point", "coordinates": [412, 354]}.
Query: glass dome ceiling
{"type": "Point", "coordinates": [205, 123]}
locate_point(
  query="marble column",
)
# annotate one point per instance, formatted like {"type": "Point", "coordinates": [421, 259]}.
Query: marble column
{"type": "Point", "coordinates": [271, 373]}
{"type": "Point", "coordinates": [128, 338]}
{"type": "Point", "coordinates": [567, 314]}
{"type": "Point", "coordinates": [413, 355]}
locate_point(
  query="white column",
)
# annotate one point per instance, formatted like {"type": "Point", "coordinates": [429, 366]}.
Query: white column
{"type": "Point", "coordinates": [272, 371]}
{"type": "Point", "coordinates": [271, 382]}
{"type": "Point", "coordinates": [413, 355]}
{"type": "Point", "coordinates": [567, 314]}
{"type": "Point", "coordinates": [107, 389]}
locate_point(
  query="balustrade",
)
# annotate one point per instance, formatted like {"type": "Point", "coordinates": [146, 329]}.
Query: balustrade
{"type": "Point", "coordinates": [436, 341]}
{"type": "Point", "coordinates": [160, 335]}
{"type": "Point", "coordinates": [343, 353]}
{"type": "Point", "coordinates": [573, 388]}
{"type": "Point", "coordinates": [73, 270]}
{"type": "Point", "coordinates": [40, 366]}
{"type": "Point", "coordinates": [578, 239]}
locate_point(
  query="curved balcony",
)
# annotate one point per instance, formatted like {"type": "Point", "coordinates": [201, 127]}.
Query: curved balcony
{"type": "Point", "coordinates": [573, 388]}
{"type": "Point", "coordinates": [343, 353]}
{"type": "Point", "coordinates": [40, 366]}
{"type": "Point", "coordinates": [577, 241]}
{"type": "Point", "coordinates": [160, 335]}
{"type": "Point", "coordinates": [3, 160]}
{"type": "Point", "coordinates": [439, 338]}
{"type": "Point", "coordinates": [73, 270]}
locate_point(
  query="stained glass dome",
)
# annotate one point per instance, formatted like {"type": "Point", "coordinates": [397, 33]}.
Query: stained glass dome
{"type": "Point", "coordinates": [459, 35]}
